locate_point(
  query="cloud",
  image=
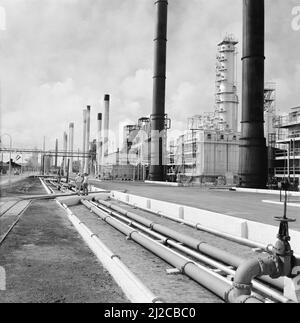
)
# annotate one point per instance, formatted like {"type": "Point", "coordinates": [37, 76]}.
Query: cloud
{"type": "Point", "coordinates": [57, 56]}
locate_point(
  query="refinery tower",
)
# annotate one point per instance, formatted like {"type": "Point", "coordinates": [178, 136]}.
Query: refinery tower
{"type": "Point", "coordinates": [226, 91]}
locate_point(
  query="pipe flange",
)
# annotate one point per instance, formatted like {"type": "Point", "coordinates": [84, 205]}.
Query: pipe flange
{"type": "Point", "coordinates": [151, 225]}
{"type": "Point", "coordinates": [94, 235]}
{"type": "Point", "coordinates": [227, 293]}
{"type": "Point", "coordinates": [115, 256]}
{"type": "Point", "coordinates": [130, 234]}
{"type": "Point", "coordinates": [277, 272]}
{"type": "Point", "coordinates": [265, 267]}
{"type": "Point", "coordinates": [165, 241]}
{"type": "Point", "coordinates": [200, 243]}
{"type": "Point", "coordinates": [244, 299]}
{"type": "Point", "coordinates": [245, 287]}
{"type": "Point", "coordinates": [269, 248]}
{"type": "Point", "coordinates": [182, 269]}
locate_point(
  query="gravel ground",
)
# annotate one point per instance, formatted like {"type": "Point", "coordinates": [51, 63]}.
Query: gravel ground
{"type": "Point", "coordinates": [28, 186]}
{"type": "Point", "coordinates": [46, 261]}
{"type": "Point", "coordinates": [148, 267]}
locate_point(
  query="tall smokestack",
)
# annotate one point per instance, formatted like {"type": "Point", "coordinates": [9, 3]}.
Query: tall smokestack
{"type": "Point", "coordinates": [88, 132]}
{"type": "Point", "coordinates": [56, 153]}
{"type": "Point", "coordinates": [106, 125]}
{"type": "Point", "coordinates": [71, 146]}
{"type": "Point", "coordinates": [65, 148]}
{"type": "Point", "coordinates": [83, 141]}
{"type": "Point", "coordinates": [99, 143]}
{"type": "Point", "coordinates": [157, 168]}
{"type": "Point", "coordinates": [253, 153]}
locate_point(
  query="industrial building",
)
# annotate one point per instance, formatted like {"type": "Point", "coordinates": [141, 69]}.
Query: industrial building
{"type": "Point", "coordinates": [209, 149]}
{"type": "Point", "coordinates": [203, 155]}
{"type": "Point", "coordinates": [287, 155]}
{"type": "Point", "coordinates": [132, 160]}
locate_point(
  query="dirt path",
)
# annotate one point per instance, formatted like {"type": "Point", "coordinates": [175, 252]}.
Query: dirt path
{"type": "Point", "coordinates": [47, 262]}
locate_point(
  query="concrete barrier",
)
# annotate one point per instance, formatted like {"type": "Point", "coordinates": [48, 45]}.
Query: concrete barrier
{"type": "Point", "coordinates": [164, 183]}
{"type": "Point", "coordinates": [281, 203]}
{"type": "Point", "coordinates": [254, 231]}
{"type": "Point", "coordinates": [260, 191]}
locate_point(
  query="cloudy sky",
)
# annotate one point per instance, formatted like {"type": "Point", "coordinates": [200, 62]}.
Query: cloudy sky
{"type": "Point", "coordinates": [57, 56]}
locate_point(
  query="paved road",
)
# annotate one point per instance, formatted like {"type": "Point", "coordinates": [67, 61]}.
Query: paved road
{"type": "Point", "coordinates": [242, 205]}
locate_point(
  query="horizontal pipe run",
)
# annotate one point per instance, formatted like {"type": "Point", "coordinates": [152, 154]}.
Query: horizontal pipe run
{"type": "Point", "coordinates": [165, 240]}
{"type": "Point", "coordinates": [203, 247]}
{"type": "Point", "coordinates": [205, 277]}
{"type": "Point", "coordinates": [196, 244]}
{"type": "Point", "coordinates": [199, 227]}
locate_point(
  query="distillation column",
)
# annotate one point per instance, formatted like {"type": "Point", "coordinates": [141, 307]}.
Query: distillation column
{"type": "Point", "coordinates": [253, 153]}
{"type": "Point", "coordinates": [158, 145]}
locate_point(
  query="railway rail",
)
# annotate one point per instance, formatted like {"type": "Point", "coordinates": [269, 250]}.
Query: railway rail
{"type": "Point", "coordinates": [13, 219]}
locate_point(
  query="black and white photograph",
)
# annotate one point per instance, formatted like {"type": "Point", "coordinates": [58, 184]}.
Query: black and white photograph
{"type": "Point", "coordinates": [150, 154]}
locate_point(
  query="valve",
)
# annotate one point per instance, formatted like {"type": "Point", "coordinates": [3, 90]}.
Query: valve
{"type": "Point", "coordinates": [282, 249]}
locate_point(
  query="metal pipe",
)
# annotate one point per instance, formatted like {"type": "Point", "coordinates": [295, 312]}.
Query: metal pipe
{"type": "Point", "coordinates": [133, 287]}
{"type": "Point", "coordinates": [228, 270]}
{"type": "Point", "coordinates": [196, 244]}
{"type": "Point", "coordinates": [99, 144]}
{"type": "Point", "coordinates": [253, 152]}
{"type": "Point", "coordinates": [205, 277]}
{"type": "Point", "coordinates": [249, 270]}
{"type": "Point", "coordinates": [106, 126]}
{"type": "Point", "coordinates": [157, 165]}
{"type": "Point", "coordinates": [71, 146]}
{"type": "Point", "coordinates": [200, 227]}
{"type": "Point", "coordinates": [201, 246]}
{"type": "Point", "coordinates": [84, 141]}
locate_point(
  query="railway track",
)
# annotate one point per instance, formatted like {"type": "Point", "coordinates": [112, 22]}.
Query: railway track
{"type": "Point", "coordinates": [183, 254]}
{"type": "Point", "coordinates": [10, 217]}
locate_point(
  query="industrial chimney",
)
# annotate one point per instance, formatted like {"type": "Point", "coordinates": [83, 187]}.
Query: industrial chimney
{"type": "Point", "coordinates": [158, 146]}
{"type": "Point", "coordinates": [106, 126]}
{"type": "Point", "coordinates": [65, 148]}
{"type": "Point", "coordinates": [99, 143]}
{"type": "Point", "coordinates": [88, 131]}
{"type": "Point", "coordinates": [84, 141]}
{"type": "Point", "coordinates": [71, 146]}
{"type": "Point", "coordinates": [253, 153]}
